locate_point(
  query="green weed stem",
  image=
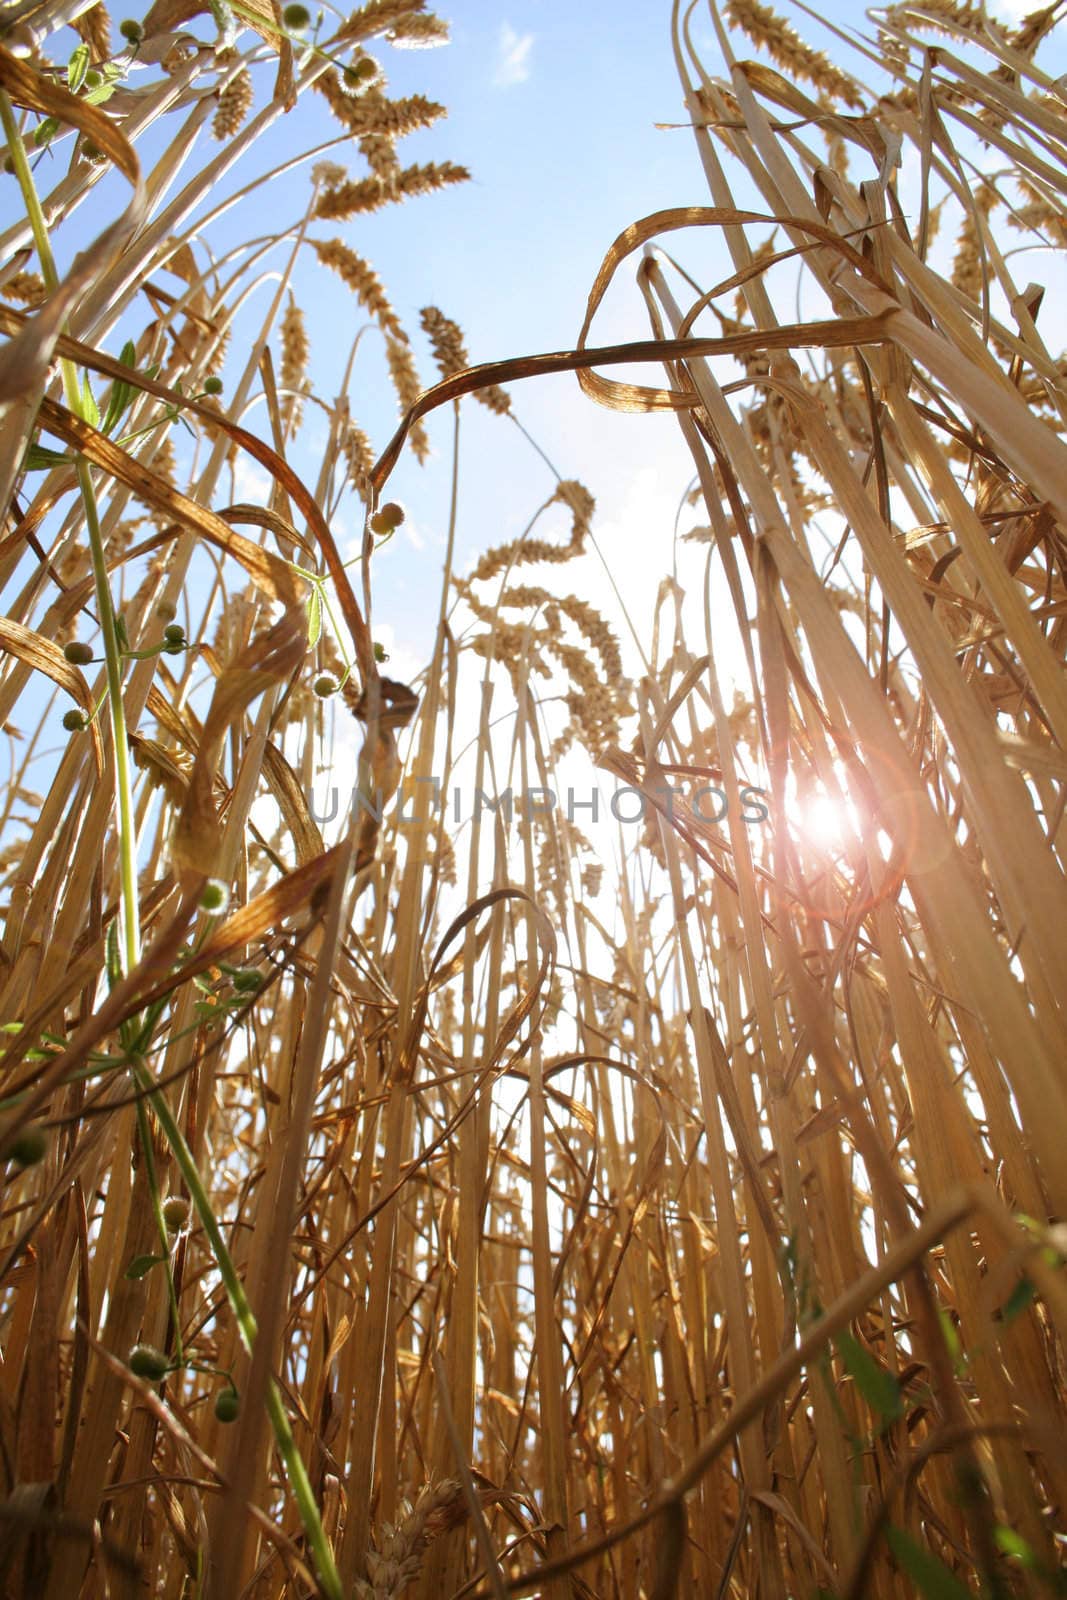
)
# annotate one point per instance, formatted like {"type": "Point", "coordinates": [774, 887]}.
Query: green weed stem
{"type": "Point", "coordinates": [246, 1322]}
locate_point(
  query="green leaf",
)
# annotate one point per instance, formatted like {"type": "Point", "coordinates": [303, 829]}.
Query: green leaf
{"type": "Point", "coordinates": [121, 392]}
{"type": "Point", "coordinates": [114, 961]}
{"type": "Point", "coordinates": [39, 458]}
{"type": "Point", "coordinates": [97, 96]}
{"type": "Point", "coordinates": [89, 409]}
{"type": "Point", "coordinates": [1017, 1301]}
{"type": "Point", "coordinates": [1014, 1545]}
{"type": "Point", "coordinates": [877, 1386]}
{"type": "Point", "coordinates": [314, 616]}
{"type": "Point", "coordinates": [930, 1576]}
{"type": "Point", "coordinates": [77, 67]}
{"type": "Point", "coordinates": [45, 131]}
{"type": "Point", "coordinates": [140, 1266]}
{"type": "Point", "coordinates": [952, 1340]}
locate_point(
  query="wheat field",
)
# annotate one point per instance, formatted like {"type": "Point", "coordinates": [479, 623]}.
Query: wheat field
{"type": "Point", "coordinates": [394, 1207]}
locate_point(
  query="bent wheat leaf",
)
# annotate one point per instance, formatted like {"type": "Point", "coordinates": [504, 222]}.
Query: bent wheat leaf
{"type": "Point", "coordinates": [44, 656]}
{"type": "Point", "coordinates": [267, 660]}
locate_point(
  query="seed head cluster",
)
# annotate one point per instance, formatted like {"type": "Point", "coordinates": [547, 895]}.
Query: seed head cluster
{"type": "Point", "coordinates": [450, 353]}
{"type": "Point", "coordinates": [235, 102]}
{"type": "Point", "coordinates": [401, 1545]}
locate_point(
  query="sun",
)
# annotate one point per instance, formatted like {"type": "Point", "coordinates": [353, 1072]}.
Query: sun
{"type": "Point", "coordinates": [824, 821]}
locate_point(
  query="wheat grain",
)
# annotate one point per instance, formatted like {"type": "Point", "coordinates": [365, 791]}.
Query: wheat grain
{"type": "Point", "coordinates": [365, 284]}
{"type": "Point", "coordinates": [405, 379]}
{"type": "Point", "coordinates": [235, 102]}
{"type": "Point", "coordinates": [785, 46]}
{"type": "Point", "coordinates": [26, 287]}
{"type": "Point", "coordinates": [341, 202]}
{"type": "Point", "coordinates": [451, 357]}
{"type": "Point", "coordinates": [419, 30]}
{"type": "Point", "coordinates": [94, 26]}
{"type": "Point", "coordinates": [378, 16]}
{"type": "Point", "coordinates": [379, 152]}
{"type": "Point", "coordinates": [402, 1544]}
{"type": "Point", "coordinates": [359, 457]}
{"type": "Point", "coordinates": [295, 352]}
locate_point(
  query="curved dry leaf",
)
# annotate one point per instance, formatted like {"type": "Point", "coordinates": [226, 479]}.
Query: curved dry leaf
{"type": "Point", "coordinates": [163, 770]}
{"type": "Point", "coordinates": [268, 572]}
{"type": "Point", "coordinates": [259, 919]}
{"type": "Point", "coordinates": [834, 333]}
{"type": "Point", "coordinates": [167, 16]}
{"type": "Point", "coordinates": [546, 938]}
{"type": "Point", "coordinates": [286, 788]}
{"type": "Point", "coordinates": [821, 335]}
{"type": "Point", "coordinates": [44, 656]}
{"type": "Point", "coordinates": [266, 660]}
{"type": "Point", "coordinates": [264, 517]}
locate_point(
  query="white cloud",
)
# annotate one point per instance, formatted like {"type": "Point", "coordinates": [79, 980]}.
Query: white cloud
{"type": "Point", "coordinates": [513, 56]}
{"type": "Point", "coordinates": [252, 483]}
{"type": "Point", "coordinates": [415, 535]}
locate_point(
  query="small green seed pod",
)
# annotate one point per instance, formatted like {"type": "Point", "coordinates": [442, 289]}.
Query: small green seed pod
{"type": "Point", "coordinates": [28, 1148]}
{"type": "Point", "coordinates": [359, 73]}
{"type": "Point", "coordinates": [296, 17]}
{"type": "Point", "coordinates": [246, 980]}
{"type": "Point", "coordinates": [325, 686]}
{"type": "Point", "coordinates": [387, 518]}
{"type": "Point", "coordinates": [174, 633]}
{"type": "Point", "coordinates": [216, 895]}
{"type": "Point", "coordinates": [75, 721]}
{"type": "Point", "coordinates": [78, 653]}
{"type": "Point", "coordinates": [145, 1361]}
{"type": "Point", "coordinates": [131, 30]}
{"type": "Point", "coordinates": [227, 1405]}
{"type": "Point", "coordinates": [175, 1212]}
{"type": "Point", "coordinates": [212, 385]}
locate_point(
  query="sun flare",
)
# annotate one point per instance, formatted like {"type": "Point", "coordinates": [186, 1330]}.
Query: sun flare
{"type": "Point", "coordinates": [824, 821]}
